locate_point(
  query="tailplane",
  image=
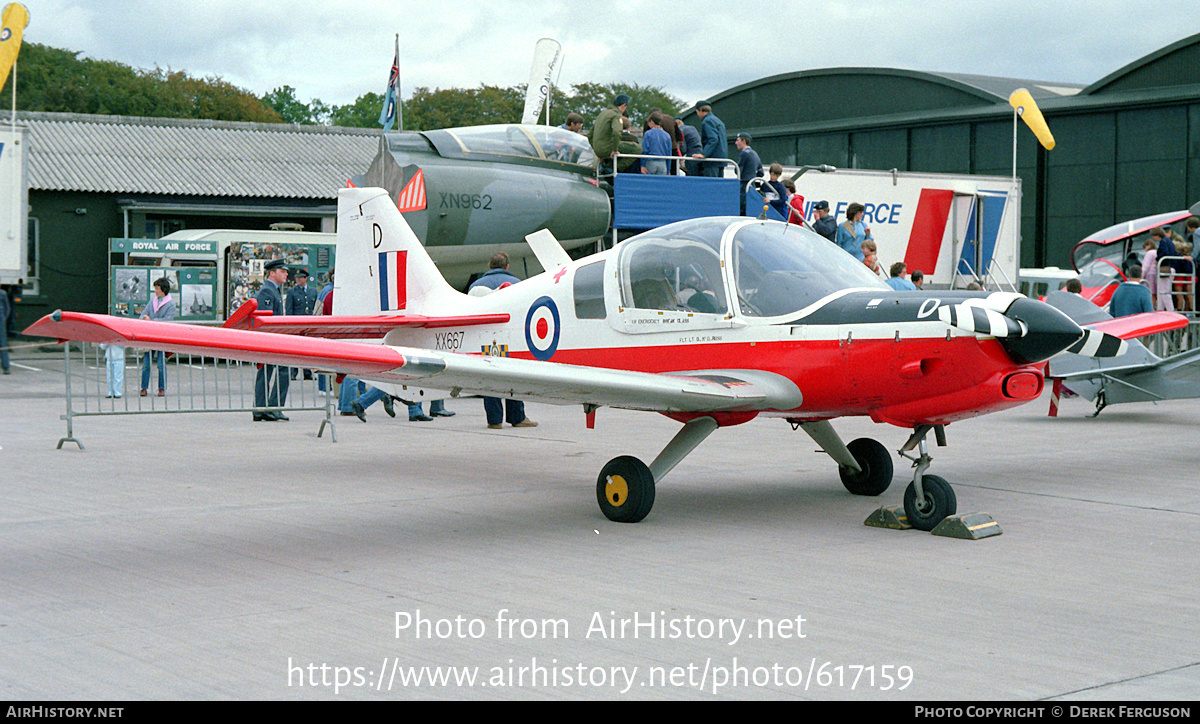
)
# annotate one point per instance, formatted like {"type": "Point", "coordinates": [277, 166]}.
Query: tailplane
{"type": "Point", "coordinates": [382, 267]}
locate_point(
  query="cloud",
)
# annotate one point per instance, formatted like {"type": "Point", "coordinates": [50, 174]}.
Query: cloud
{"type": "Point", "coordinates": [338, 51]}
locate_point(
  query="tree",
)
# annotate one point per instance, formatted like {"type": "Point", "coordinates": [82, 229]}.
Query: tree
{"type": "Point", "coordinates": [57, 80]}
{"type": "Point", "coordinates": [363, 113]}
{"type": "Point", "coordinates": [426, 110]}
{"type": "Point", "coordinates": [283, 101]}
{"type": "Point", "coordinates": [588, 99]}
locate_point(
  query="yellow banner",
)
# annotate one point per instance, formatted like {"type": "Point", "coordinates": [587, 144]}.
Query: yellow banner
{"type": "Point", "coordinates": [12, 27]}
{"type": "Point", "coordinates": [1027, 109]}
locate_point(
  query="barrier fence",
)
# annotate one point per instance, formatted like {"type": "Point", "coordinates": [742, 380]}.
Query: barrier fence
{"type": "Point", "coordinates": [107, 382]}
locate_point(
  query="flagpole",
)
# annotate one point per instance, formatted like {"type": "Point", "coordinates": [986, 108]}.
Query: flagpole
{"type": "Point", "coordinates": [399, 103]}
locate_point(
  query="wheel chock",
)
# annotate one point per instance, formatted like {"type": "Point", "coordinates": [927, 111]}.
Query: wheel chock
{"type": "Point", "coordinates": [968, 526]}
{"type": "Point", "coordinates": [885, 517]}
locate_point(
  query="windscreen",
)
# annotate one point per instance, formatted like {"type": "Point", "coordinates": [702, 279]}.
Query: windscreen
{"type": "Point", "coordinates": [782, 268]}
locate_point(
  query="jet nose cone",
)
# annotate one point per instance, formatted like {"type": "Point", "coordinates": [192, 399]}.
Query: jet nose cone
{"type": "Point", "coordinates": [1050, 331]}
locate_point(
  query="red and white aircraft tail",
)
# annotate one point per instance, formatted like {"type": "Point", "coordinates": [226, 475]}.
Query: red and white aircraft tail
{"type": "Point", "coordinates": [382, 268]}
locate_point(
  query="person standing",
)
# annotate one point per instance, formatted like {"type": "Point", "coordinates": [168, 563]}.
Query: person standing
{"type": "Point", "coordinates": [749, 165]}
{"type": "Point", "coordinates": [300, 301]}
{"type": "Point", "coordinates": [713, 141]}
{"type": "Point", "coordinates": [779, 204]}
{"type": "Point", "coordinates": [1131, 296]}
{"type": "Point", "coordinates": [690, 148]}
{"type": "Point", "coordinates": [161, 308]}
{"type": "Point", "coordinates": [852, 232]}
{"type": "Point", "coordinates": [271, 381]}
{"type": "Point", "coordinates": [497, 277]}
{"type": "Point", "coordinates": [655, 142]}
{"type": "Point", "coordinates": [606, 133]}
{"type": "Point", "coordinates": [823, 222]}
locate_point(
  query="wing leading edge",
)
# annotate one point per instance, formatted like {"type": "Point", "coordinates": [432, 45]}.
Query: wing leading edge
{"type": "Point", "coordinates": [691, 391]}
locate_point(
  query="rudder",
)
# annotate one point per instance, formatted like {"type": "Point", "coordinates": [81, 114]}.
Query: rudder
{"type": "Point", "coordinates": [382, 268]}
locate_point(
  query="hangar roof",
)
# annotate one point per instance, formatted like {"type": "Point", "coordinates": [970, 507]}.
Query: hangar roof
{"type": "Point", "coordinates": [828, 99]}
{"type": "Point", "coordinates": [121, 154]}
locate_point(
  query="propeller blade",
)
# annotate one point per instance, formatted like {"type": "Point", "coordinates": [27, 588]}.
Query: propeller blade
{"type": "Point", "coordinates": [1095, 343]}
{"type": "Point", "coordinates": [981, 320]}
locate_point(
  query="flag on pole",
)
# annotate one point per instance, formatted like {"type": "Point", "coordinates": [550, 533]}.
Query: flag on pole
{"type": "Point", "coordinates": [391, 99]}
{"type": "Point", "coordinates": [1023, 103]}
{"type": "Point", "coordinates": [12, 26]}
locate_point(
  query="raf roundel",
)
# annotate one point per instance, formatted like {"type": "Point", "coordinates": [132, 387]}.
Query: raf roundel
{"type": "Point", "coordinates": [541, 328]}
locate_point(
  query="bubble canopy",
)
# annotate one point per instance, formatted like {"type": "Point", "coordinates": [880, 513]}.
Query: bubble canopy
{"type": "Point", "coordinates": [714, 265]}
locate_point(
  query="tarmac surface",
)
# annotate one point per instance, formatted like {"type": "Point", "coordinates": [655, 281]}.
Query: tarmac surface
{"type": "Point", "coordinates": [204, 556]}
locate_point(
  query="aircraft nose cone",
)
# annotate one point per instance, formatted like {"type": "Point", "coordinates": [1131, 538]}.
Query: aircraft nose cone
{"type": "Point", "coordinates": [1050, 332]}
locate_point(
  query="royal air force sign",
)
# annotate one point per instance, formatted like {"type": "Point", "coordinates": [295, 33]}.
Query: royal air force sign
{"type": "Point", "coordinates": [542, 328]}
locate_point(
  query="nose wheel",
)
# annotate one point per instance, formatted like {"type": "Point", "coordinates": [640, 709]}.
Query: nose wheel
{"type": "Point", "coordinates": [930, 506]}
{"type": "Point", "coordinates": [929, 499]}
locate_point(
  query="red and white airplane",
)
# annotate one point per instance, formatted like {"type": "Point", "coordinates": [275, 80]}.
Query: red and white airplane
{"type": "Point", "coordinates": [712, 322]}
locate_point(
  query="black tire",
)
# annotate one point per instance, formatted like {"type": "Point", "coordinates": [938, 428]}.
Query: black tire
{"type": "Point", "coordinates": [876, 464]}
{"type": "Point", "coordinates": [939, 503]}
{"type": "Point", "coordinates": [625, 490]}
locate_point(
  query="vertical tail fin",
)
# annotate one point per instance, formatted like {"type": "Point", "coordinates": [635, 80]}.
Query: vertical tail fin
{"type": "Point", "coordinates": [381, 265]}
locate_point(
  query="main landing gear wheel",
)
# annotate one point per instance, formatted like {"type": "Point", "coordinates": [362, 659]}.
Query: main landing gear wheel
{"type": "Point", "coordinates": [938, 503]}
{"type": "Point", "coordinates": [625, 490]}
{"type": "Point", "coordinates": [876, 464]}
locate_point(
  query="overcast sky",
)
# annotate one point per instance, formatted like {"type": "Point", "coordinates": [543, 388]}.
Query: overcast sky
{"type": "Point", "coordinates": [336, 50]}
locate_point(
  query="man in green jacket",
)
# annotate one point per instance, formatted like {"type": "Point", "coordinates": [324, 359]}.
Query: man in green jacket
{"type": "Point", "coordinates": [606, 132]}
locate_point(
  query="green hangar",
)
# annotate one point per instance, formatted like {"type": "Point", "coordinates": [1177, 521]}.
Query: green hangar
{"type": "Point", "coordinates": [1127, 145]}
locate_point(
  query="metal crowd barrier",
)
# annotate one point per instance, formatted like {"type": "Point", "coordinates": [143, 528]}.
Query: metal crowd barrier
{"type": "Point", "coordinates": [1181, 286]}
{"type": "Point", "coordinates": [1165, 344]}
{"type": "Point", "coordinates": [194, 383]}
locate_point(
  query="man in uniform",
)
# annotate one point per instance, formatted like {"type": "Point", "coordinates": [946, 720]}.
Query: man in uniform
{"type": "Point", "coordinates": [271, 382]}
{"type": "Point", "coordinates": [606, 132]}
{"type": "Point", "coordinates": [300, 301]}
{"type": "Point", "coordinates": [714, 142]}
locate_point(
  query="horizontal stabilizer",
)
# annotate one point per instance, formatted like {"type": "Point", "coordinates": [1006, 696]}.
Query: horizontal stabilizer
{"type": "Point", "coordinates": [373, 326]}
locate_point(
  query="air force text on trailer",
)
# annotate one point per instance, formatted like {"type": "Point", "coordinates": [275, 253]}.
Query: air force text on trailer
{"type": "Point", "coordinates": [601, 625]}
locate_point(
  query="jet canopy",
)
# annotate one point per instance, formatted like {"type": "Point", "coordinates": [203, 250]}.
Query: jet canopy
{"type": "Point", "coordinates": [513, 143]}
{"type": "Point", "coordinates": [715, 265]}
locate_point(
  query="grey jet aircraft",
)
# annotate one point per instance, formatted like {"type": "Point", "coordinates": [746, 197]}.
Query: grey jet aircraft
{"type": "Point", "coordinates": [468, 193]}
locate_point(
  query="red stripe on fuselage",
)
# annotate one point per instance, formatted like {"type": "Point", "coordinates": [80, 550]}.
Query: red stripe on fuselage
{"type": "Point", "coordinates": [942, 380]}
{"type": "Point", "coordinates": [928, 230]}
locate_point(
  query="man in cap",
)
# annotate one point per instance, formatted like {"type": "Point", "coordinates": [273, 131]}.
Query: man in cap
{"type": "Point", "coordinates": [271, 382]}
{"type": "Point", "coordinates": [300, 301]}
{"type": "Point", "coordinates": [606, 132]}
{"type": "Point", "coordinates": [713, 141]}
{"type": "Point", "coordinates": [823, 223]}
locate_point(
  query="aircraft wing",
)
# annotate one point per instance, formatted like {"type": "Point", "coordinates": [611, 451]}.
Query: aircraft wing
{"type": "Point", "coordinates": [376, 326]}
{"type": "Point", "coordinates": [1140, 325]}
{"type": "Point", "coordinates": [692, 391]}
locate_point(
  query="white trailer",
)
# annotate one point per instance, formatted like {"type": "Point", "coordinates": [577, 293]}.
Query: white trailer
{"type": "Point", "coordinates": [956, 228]}
{"type": "Point", "coordinates": [14, 205]}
